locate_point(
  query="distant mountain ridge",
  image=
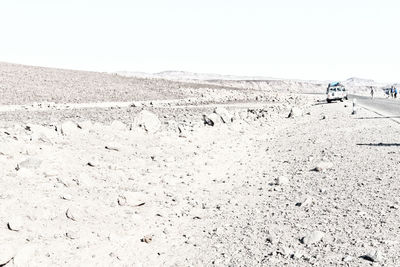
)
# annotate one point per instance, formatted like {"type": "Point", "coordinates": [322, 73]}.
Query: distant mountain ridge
{"type": "Point", "coordinates": [193, 76]}
{"type": "Point", "coordinates": [185, 75]}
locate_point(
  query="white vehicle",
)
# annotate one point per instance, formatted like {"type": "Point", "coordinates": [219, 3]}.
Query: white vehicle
{"type": "Point", "coordinates": [336, 91]}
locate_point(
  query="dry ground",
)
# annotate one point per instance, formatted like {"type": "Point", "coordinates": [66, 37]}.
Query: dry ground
{"type": "Point", "coordinates": [265, 190]}
{"type": "Point", "coordinates": [210, 193]}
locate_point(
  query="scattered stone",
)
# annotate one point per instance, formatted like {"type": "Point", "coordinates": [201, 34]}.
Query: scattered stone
{"type": "Point", "coordinates": [297, 255]}
{"type": "Point", "coordinates": [308, 201]}
{"type": "Point", "coordinates": [323, 166]}
{"type": "Point", "coordinates": [15, 223]}
{"type": "Point", "coordinates": [224, 114]}
{"type": "Point", "coordinates": [374, 256]}
{"type": "Point", "coordinates": [85, 179]}
{"type": "Point", "coordinates": [295, 112]}
{"type": "Point", "coordinates": [313, 238]}
{"type": "Point", "coordinates": [85, 125]}
{"type": "Point", "coordinates": [90, 164]}
{"type": "Point", "coordinates": [30, 163]}
{"type": "Point", "coordinates": [133, 199]}
{"type": "Point", "coordinates": [284, 251]}
{"type": "Point", "coordinates": [271, 238]}
{"type": "Point", "coordinates": [136, 105]}
{"type": "Point", "coordinates": [72, 235]}
{"type": "Point", "coordinates": [7, 252]}
{"type": "Point", "coordinates": [69, 128]}
{"type": "Point", "coordinates": [347, 258]}
{"type": "Point", "coordinates": [24, 256]}
{"type": "Point", "coordinates": [118, 125]}
{"type": "Point", "coordinates": [50, 173]}
{"type": "Point", "coordinates": [322, 190]}
{"type": "Point", "coordinates": [114, 147]}
{"type": "Point", "coordinates": [147, 239]}
{"type": "Point", "coordinates": [41, 133]}
{"type": "Point", "coordinates": [71, 214]}
{"type": "Point", "coordinates": [212, 119]}
{"type": "Point", "coordinates": [66, 197]}
{"type": "Point", "coordinates": [282, 180]}
{"type": "Point", "coordinates": [148, 121]}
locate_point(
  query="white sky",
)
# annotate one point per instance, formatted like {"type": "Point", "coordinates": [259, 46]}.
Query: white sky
{"type": "Point", "coordinates": [307, 39]}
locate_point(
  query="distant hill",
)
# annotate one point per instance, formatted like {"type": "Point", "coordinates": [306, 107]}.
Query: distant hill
{"type": "Point", "coordinates": [190, 76]}
{"type": "Point", "coordinates": [354, 81]}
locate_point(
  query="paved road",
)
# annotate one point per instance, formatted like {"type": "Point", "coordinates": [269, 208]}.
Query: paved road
{"type": "Point", "coordinates": [385, 106]}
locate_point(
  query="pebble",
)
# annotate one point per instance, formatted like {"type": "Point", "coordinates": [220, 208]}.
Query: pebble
{"type": "Point", "coordinates": [118, 125]}
{"type": "Point", "coordinates": [271, 238]}
{"type": "Point", "coordinates": [72, 235]}
{"type": "Point", "coordinates": [308, 201]}
{"type": "Point", "coordinates": [86, 125]}
{"type": "Point", "coordinates": [114, 147]}
{"type": "Point", "coordinates": [148, 121]}
{"type": "Point", "coordinates": [71, 214]}
{"type": "Point", "coordinates": [6, 253]}
{"type": "Point", "coordinates": [24, 256]}
{"type": "Point", "coordinates": [50, 173]}
{"type": "Point", "coordinates": [284, 251]}
{"type": "Point", "coordinates": [297, 255]}
{"type": "Point", "coordinates": [347, 258]}
{"type": "Point", "coordinates": [29, 163]}
{"type": "Point", "coordinates": [15, 224]}
{"type": "Point", "coordinates": [66, 196]}
{"type": "Point", "coordinates": [323, 166]}
{"type": "Point", "coordinates": [224, 114]}
{"type": "Point", "coordinates": [69, 128]}
{"type": "Point", "coordinates": [282, 180]}
{"type": "Point", "coordinates": [295, 112]}
{"type": "Point", "coordinates": [313, 237]}
{"type": "Point", "coordinates": [133, 199]}
{"type": "Point", "coordinates": [147, 239]}
{"type": "Point", "coordinates": [212, 119]}
{"type": "Point", "coordinates": [374, 256]}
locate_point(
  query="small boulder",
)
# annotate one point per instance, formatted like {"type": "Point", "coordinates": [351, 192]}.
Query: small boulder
{"type": "Point", "coordinates": [113, 147]}
{"type": "Point", "coordinates": [147, 239]}
{"type": "Point", "coordinates": [212, 119]}
{"type": "Point", "coordinates": [282, 181]}
{"type": "Point", "coordinates": [133, 199]}
{"type": "Point", "coordinates": [373, 256]}
{"type": "Point", "coordinates": [323, 166]}
{"type": "Point", "coordinates": [295, 112]}
{"type": "Point", "coordinates": [29, 163]}
{"type": "Point", "coordinates": [312, 238]}
{"type": "Point", "coordinates": [72, 214]}
{"type": "Point", "coordinates": [118, 125]}
{"type": "Point", "coordinates": [224, 114]}
{"type": "Point", "coordinates": [42, 134]}
{"type": "Point", "coordinates": [69, 128]}
{"type": "Point", "coordinates": [148, 121]}
{"type": "Point", "coordinates": [347, 258]}
{"type": "Point", "coordinates": [15, 223]}
{"type": "Point", "coordinates": [306, 202]}
{"type": "Point", "coordinates": [7, 252]}
{"type": "Point", "coordinates": [67, 197]}
{"type": "Point", "coordinates": [85, 125]}
{"type": "Point", "coordinates": [24, 256]}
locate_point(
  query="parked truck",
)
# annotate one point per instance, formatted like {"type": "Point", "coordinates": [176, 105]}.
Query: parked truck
{"type": "Point", "coordinates": [336, 91]}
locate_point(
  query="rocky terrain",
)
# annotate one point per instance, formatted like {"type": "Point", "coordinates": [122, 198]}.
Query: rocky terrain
{"type": "Point", "coordinates": [196, 176]}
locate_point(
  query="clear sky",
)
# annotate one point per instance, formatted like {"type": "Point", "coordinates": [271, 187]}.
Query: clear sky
{"type": "Point", "coordinates": [306, 39]}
